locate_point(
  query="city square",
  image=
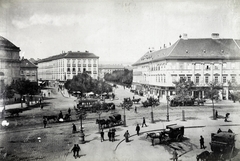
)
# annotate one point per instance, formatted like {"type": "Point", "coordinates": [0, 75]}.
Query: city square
{"type": "Point", "coordinates": [142, 80]}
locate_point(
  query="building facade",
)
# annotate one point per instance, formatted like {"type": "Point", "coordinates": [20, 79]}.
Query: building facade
{"type": "Point", "coordinates": [108, 68]}
{"type": "Point", "coordinates": [9, 61]}
{"type": "Point", "coordinates": [64, 66]}
{"type": "Point", "coordinates": [199, 60]}
{"type": "Point", "coordinates": [28, 70]}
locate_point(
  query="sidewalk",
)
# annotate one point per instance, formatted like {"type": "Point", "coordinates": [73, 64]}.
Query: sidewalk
{"type": "Point", "coordinates": [139, 148]}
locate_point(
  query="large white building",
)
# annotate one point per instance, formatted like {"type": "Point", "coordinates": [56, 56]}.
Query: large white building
{"type": "Point", "coordinates": [201, 60]}
{"type": "Point", "coordinates": [109, 68]}
{"type": "Point", "coordinates": [64, 66]}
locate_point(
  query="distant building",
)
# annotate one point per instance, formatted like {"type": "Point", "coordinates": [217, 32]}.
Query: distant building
{"type": "Point", "coordinates": [64, 66]}
{"type": "Point", "coordinates": [9, 61]}
{"type": "Point", "coordinates": [201, 60]}
{"type": "Point", "coordinates": [28, 70]}
{"type": "Point", "coordinates": [108, 68]}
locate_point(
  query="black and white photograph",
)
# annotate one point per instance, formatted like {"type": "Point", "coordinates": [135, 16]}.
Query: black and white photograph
{"type": "Point", "coordinates": [120, 80]}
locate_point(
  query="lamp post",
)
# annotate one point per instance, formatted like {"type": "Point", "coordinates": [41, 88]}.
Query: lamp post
{"type": "Point", "coordinates": [124, 116]}
{"type": "Point", "coordinates": [81, 135]}
{"type": "Point", "coordinates": [152, 120]}
{"type": "Point", "coordinates": [167, 106]}
{"type": "Point", "coordinates": [99, 115]}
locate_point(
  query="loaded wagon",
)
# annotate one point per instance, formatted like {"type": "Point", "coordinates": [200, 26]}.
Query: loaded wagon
{"type": "Point", "coordinates": [171, 133]}
{"type": "Point", "coordinates": [114, 120]}
{"type": "Point", "coordinates": [222, 146]}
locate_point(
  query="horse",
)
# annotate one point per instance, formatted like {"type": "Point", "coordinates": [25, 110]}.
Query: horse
{"type": "Point", "coordinates": [203, 156]}
{"type": "Point", "coordinates": [51, 117]}
{"type": "Point", "coordinates": [136, 100]}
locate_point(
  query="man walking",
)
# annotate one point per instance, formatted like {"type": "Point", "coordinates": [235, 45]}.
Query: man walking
{"type": "Point", "coordinates": [138, 129]}
{"type": "Point", "coordinates": [144, 122]}
{"type": "Point", "coordinates": [77, 150]}
{"type": "Point", "coordinates": [126, 135]}
{"type": "Point", "coordinates": [74, 128]}
{"type": "Point", "coordinates": [44, 123]}
{"type": "Point", "coordinates": [202, 142]}
{"type": "Point", "coordinates": [102, 135]}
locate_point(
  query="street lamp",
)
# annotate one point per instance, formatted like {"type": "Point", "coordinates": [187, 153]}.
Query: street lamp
{"type": "Point", "coordinates": [81, 112]}
{"type": "Point", "coordinates": [99, 112]}
{"type": "Point", "coordinates": [124, 116]}
{"type": "Point", "coordinates": [153, 104]}
{"type": "Point", "coordinates": [167, 106]}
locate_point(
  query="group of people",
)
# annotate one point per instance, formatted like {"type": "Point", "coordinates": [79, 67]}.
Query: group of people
{"type": "Point", "coordinates": [76, 148]}
{"type": "Point", "coordinates": [111, 135]}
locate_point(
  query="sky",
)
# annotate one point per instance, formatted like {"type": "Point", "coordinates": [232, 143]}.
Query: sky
{"type": "Point", "coordinates": [118, 31]}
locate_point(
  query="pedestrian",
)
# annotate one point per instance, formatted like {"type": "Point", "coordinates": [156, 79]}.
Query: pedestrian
{"type": "Point", "coordinates": [44, 123]}
{"type": "Point", "coordinates": [133, 97]}
{"type": "Point", "coordinates": [126, 135]}
{"type": "Point", "coordinates": [135, 109]}
{"type": "Point", "coordinates": [144, 122]}
{"type": "Point", "coordinates": [109, 134]}
{"type": "Point", "coordinates": [113, 134]}
{"type": "Point", "coordinates": [102, 135]}
{"type": "Point", "coordinates": [175, 155]}
{"type": "Point", "coordinates": [74, 150]}
{"type": "Point", "coordinates": [216, 114]}
{"type": "Point", "coordinates": [77, 150]}
{"type": "Point", "coordinates": [69, 111]}
{"type": "Point", "coordinates": [202, 142]}
{"type": "Point", "coordinates": [49, 94]}
{"type": "Point", "coordinates": [219, 130]}
{"type": "Point", "coordinates": [138, 129]}
{"type": "Point", "coordinates": [74, 128]}
{"type": "Point", "coordinates": [60, 116]}
{"type": "Point", "coordinates": [41, 106]}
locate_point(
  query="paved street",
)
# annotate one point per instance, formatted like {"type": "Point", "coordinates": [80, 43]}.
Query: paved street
{"type": "Point", "coordinates": [57, 139]}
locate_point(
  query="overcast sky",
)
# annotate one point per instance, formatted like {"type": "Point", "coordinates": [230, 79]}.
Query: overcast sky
{"type": "Point", "coordinates": [118, 31]}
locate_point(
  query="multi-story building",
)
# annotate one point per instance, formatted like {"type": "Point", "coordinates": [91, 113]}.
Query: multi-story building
{"type": "Point", "coordinates": [9, 61]}
{"type": "Point", "coordinates": [108, 68]}
{"type": "Point", "coordinates": [202, 61]}
{"type": "Point", "coordinates": [28, 70]}
{"type": "Point", "coordinates": [64, 66]}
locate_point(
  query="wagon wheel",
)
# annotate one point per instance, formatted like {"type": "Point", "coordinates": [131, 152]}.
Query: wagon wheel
{"type": "Point", "coordinates": [179, 137]}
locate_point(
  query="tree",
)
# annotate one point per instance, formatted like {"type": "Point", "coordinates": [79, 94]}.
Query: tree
{"type": "Point", "coordinates": [234, 91]}
{"type": "Point", "coordinates": [85, 83]}
{"type": "Point", "coordinates": [183, 89]}
{"type": "Point", "coordinates": [23, 86]}
{"type": "Point", "coordinates": [212, 92]}
{"type": "Point", "coordinates": [120, 76]}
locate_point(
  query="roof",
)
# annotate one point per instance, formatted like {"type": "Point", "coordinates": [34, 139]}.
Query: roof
{"type": "Point", "coordinates": [6, 44]}
{"type": "Point", "coordinates": [27, 64]}
{"type": "Point", "coordinates": [207, 48]}
{"type": "Point", "coordinates": [111, 66]}
{"type": "Point", "coordinates": [69, 54]}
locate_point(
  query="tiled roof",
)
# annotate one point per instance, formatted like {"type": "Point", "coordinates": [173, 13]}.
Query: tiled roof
{"type": "Point", "coordinates": [196, 49]}
{"type": "Point", "coordinates": [6, 44]}
{"type": "Point", "coordinates": [69, 55]}
{"type": "Point", "coordinates": [27, 64]}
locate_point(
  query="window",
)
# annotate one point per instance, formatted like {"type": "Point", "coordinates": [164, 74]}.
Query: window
{"type": "Point", "coordinates": [233, 79]}
{"type": "Point", "coordinates": [79, 70]}
{"type": "Point", "coordinates": [216, 79]}
{"type": "Point", "coordinates": [164, 78]}
{"type": "Point", "coordinates": [216, 66]}
{"type": "Point", "coordinates": [181, 66]}
{"type": "Point", "coordinates": [188, 78]}
{"type": "Point", "coordinates": [207, 67]}
{"type": "Point", "coordinates": [206, 80]}
{"type": "Point", "coordinates": [197, 79]}
{"type": "Point", "coordinates": [197, 66]}
{"type": "Point", "coordinates": [22, 72]}
{"type": "Point", "coordinates": [224, 79]}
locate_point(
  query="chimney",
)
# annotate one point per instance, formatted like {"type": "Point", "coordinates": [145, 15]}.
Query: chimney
{"type": "Point", "coordinates": [184, 36]}
{"type": "Point", "coordinates": [215, 35]}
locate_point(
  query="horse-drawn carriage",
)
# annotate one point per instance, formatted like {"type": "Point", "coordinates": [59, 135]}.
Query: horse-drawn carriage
{"type": "Point", "coordinates": [136, 100]}
{"type": "Point", "coordinates": [171, 133]}
{"type": "Point", "coordinates": [150, 102]}
{"type": "Point", "coordinates": [113, 120]}
{"type": "Point", "coordinates": [222, 145]}
{"type": "Point", "coordinates": [182, 101]}
{"type": "Point", "coordinates": [14, 112]}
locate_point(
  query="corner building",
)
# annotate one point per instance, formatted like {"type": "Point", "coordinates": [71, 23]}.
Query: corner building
{"type": "Point", "coordinates": [9, 61]}
{"type": "Point", "coordinates": [202, 61]}
{"type": "Point", "coordinates": [64, 66]}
